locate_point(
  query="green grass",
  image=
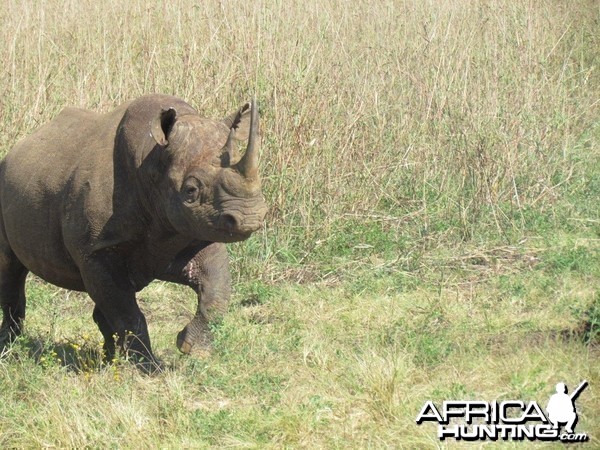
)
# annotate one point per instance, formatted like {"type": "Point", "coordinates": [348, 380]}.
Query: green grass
{"type": "Point", "coordinates": [308, 366]}
{"type": "Point", "coordinates": [432, 171]}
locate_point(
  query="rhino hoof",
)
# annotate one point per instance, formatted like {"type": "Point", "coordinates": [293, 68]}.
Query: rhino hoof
{"type": "Point", "coordinates": [198, 349]}
{"type": "Point", "coordinates": [151, 367]}
{"type": "Point", "coordinates": [183, 345]}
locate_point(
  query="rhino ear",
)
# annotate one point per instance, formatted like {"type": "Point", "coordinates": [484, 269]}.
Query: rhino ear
{"type": "Point", "coordinates": [239, 121]}
{"type": "Point", "coordinates": [161, 126]}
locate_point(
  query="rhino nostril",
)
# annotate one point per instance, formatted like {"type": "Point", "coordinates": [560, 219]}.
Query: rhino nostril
{"type": "Point", "coordinates": [228, 222]}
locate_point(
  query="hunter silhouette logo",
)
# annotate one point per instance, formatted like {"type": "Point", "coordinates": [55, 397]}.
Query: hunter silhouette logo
{"type": "Point", "coordinates": [517, 420]}
{"type": "Point", "coordinates": [561, 407]}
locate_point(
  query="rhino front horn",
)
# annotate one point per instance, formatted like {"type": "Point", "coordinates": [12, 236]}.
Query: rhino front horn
{"type": "Point", "coordinates": [248, 165]}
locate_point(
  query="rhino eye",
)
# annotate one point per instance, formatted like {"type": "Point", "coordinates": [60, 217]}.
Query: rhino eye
{"type": "Point", "coordinates": [190, 190]}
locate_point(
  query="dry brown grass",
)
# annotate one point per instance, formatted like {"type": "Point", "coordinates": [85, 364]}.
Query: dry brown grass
{"type": "Point", "coordinates": [369, 108]}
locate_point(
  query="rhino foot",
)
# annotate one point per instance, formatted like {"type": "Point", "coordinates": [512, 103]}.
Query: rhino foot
{"type": "Point", "coordinates": [195, 340]}
{"type": "Point", "coordinates": [8, 334]}
{"type": "Point", "coordinates": [151, 367]}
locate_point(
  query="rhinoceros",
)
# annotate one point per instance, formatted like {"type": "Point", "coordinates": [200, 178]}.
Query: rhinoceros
{"type": "Point", "coordinates": [106, 203]}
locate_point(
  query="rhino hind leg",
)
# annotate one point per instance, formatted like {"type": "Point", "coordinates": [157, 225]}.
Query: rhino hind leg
{"type": "Point", "coordinates": [12, 296]}
{"type": "Point", "coordinates": [206, 270]}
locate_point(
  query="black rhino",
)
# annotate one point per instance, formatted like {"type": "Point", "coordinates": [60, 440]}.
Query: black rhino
{"type": "Point", "coordinates": [106, 203]}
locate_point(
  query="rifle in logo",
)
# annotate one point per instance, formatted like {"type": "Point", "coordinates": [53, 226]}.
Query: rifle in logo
{"type": "Point", "coordinates": [561, 406]}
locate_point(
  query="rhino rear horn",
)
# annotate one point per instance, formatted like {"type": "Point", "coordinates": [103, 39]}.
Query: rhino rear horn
{"type": "Point", "coordinates": [161, 126]}
{"type": "Point", "coordinates": [238, 124]}
{"type": "Point", "coordinates": [248, 165]}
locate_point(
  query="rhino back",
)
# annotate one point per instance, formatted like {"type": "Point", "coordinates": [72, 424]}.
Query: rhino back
{"type": "Point", "coordinates": [55, 189]}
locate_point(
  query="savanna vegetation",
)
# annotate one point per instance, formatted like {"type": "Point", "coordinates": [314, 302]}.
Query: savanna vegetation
{"type": "Point", "coordinates": [433, 175]}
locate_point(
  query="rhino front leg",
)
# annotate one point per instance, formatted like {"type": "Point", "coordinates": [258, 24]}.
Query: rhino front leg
{"type": "Point", "coordinates": [117, 312]}
{"type": "Point", "coordinates": [107, 332]}
{"type": "Point", "coordinates": [205, 268]}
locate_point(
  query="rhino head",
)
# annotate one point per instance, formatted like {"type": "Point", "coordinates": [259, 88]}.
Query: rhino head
{"type": "Point", "coordinates": [206, 195]}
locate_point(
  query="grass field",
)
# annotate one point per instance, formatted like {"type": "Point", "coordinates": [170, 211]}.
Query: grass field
{"type": "Point", "coordinates": [432, 170]}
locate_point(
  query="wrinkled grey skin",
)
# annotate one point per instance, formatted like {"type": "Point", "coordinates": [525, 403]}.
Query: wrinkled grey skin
{"type": "Point", "coordinates": [106, 203]}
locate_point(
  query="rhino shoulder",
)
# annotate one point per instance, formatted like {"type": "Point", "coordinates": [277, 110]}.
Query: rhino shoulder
{"type": "Point", "coordinates": [73, 111]}
{"type": "Point", "coordinates": [74, 117]}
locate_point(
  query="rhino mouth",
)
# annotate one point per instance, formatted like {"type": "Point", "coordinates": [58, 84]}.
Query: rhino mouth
{"type": "Point", "coordinates": [239, 236]}
{"type": "Point", "coordinates": [228, 238]}
{"type": "Point", "coordinates": [236, 225]}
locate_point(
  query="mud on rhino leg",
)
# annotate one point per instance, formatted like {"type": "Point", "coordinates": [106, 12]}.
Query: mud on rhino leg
{"type": "Point", "coordinates": [204, 268]}
{"type": "Point", "coordinates": [12, 296]}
